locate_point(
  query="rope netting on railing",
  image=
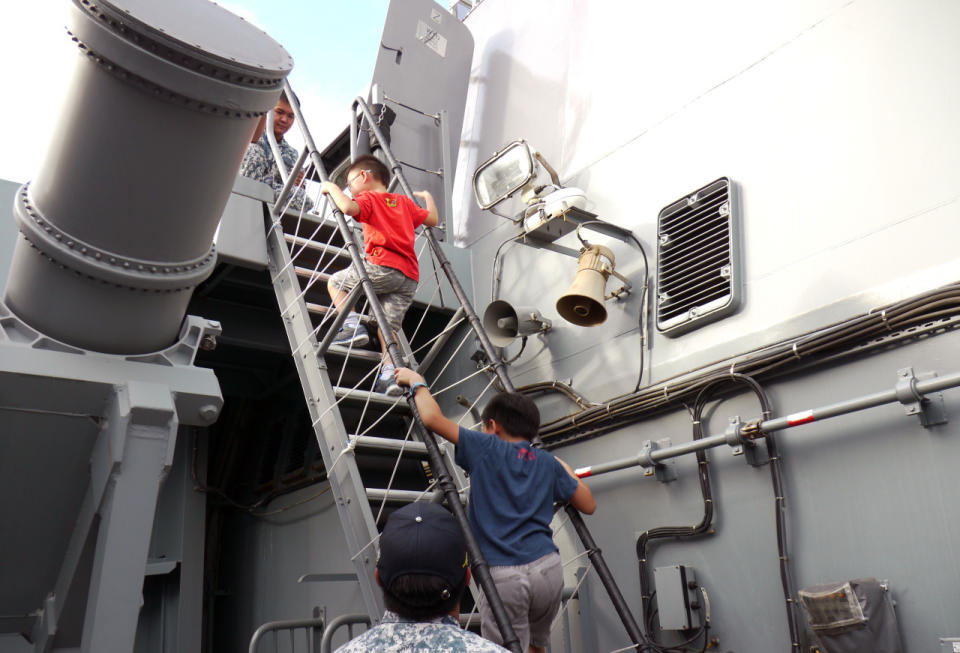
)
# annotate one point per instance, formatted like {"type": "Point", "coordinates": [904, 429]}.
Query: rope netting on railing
{"type": "Point", "coordinates": [315, 253]}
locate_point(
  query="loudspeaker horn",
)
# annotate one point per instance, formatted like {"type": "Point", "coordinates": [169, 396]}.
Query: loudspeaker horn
{"type": "Point", "coordinates": [582, 304]}
{"type": "Point", "coordinates": [503, 323]}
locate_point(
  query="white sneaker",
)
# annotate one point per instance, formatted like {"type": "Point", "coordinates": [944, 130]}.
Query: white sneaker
{"type": "Point", "coordinates": [388, 386]}
{"type": "Point", "coordinates": [351, 334]}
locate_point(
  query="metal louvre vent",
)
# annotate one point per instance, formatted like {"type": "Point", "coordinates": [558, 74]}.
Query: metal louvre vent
{"type": "Point", "coordinates": [697, 268]}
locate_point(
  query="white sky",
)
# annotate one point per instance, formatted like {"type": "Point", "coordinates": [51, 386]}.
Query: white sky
{"type": "Point", "coordinates": [334, 45]}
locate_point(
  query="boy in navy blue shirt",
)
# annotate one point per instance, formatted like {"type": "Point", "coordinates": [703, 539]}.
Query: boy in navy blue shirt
{"type": "Point", "coordinates": [513, 487]}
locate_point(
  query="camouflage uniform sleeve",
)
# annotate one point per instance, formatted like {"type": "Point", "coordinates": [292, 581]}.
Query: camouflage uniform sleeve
{"type": "Point", "coordinates": [256, 164]}
{"type": "Point", "coordinates": [433, 637]}
{"type": "Point", "coordinates": [289, 156]}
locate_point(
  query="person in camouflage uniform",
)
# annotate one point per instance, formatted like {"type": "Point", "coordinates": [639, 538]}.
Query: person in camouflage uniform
{"type": "Point", "coordinates": [258, 162]}
{"type": "Point", "coordinates": [423, 571]}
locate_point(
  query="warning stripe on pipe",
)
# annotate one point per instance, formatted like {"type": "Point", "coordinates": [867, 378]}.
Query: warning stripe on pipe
{"type": "Point", "coordinates": [583, 472]}
{"type": "Point", "coordinates": [800, 418]}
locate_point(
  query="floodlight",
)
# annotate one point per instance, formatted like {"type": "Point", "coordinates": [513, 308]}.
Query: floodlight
{"type": "Point", "coordinates": [503, 174]}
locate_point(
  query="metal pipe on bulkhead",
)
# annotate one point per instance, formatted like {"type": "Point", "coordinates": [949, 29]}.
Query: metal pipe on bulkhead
{"type": "Point", "coordinates": [910, 389]}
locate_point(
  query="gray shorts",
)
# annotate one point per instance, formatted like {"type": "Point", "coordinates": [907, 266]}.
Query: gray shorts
{"type": "Point", "coordinates": [531, 596]}
{"type": "Point", "coordinates": [394, 289]}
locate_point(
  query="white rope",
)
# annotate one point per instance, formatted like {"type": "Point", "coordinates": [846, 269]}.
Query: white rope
{"type": "Point", "coordinates": [476, 606]}
{"type": "Point", "coordinates": [367, 400]}
{"type": "Point", "coordinates": [432, 484]}
{"type": "Point", "coordinates": [476, 401]}
{"type": "Point", "coordinates": [331, 310]}
{"type": "Point", "coordinates": [575, 558]}
{"type": "Point", "coordinates": [316, 230]}
{"type": "Point", "coordinates": [350, 448]}
{"type": "Point", "coordinates": [343, 368]}
{"type": "Point", "coordinates": [423, 316]}
{"type": "Point", "coordinates": [625, 648]}
{"type": "Point", "coordinates": [336, 403]}
{"type": "Point", "coordinates": [295, 255]}
{"type": "Point", "coordinates": [393, 472]}
{"type": "Point", "coordinates": [456, 383]}
{"type": "Point", "coordinates": [379, 419]}
{"type": "Point", "coordinates": [576, 590]}
{"type": "Point", "coordinates": [437, 268]}
{"type": "Point", "coordinates": [454, 354]}
{"type": "Point", "coordinates": [316, 274]}
{"type": "Point", "coordinates": [306, 339]}
{"type": "Point", "coordinates": [446, 330]}
{"type": "Point", "coordinates": [366, 546]}
{"type": "Point", "coordinates": [327, 317]}
{"type": "Point", "coordinates": [293, 194]}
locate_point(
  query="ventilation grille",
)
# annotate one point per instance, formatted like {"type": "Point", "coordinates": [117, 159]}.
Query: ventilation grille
{"type": "Point", "coordinates": [697, 271]}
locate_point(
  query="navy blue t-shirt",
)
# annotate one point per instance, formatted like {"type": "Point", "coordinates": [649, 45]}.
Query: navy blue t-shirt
{"type": "Point", "coordinates": [513, 487]}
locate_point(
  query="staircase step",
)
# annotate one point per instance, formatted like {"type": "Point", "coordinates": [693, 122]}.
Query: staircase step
{"type": "Point", "coordinates": [320, 309]}
{"type": "Point", "coordinates": [299, 242]}
{"type": "Point", "coordinates": [291, 218]}
{"type": "Point", "coordinates": [351, 395]}
{"type": "Point", "coordinates": [355, 353]}
{"type": "Point", "coordinates": [389, 444]}
{"type": "Point", "coordinates": [404, 496]}
{"type": "Point", "coordinates": [309, 273]}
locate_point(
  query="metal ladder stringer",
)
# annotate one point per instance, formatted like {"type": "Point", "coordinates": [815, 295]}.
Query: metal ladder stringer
{"type": "Point", "coordinates": [343, 475]}
{"type": "Point", "coordinates": [351, 496]}
{"type": "Point", "coordinates": [499, 368]}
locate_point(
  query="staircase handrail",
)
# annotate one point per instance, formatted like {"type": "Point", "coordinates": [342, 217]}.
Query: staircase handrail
{"type": "Point", "coordinates": [499, 368]}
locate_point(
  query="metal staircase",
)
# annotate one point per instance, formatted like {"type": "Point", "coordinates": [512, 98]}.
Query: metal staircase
{"type": "Point", "coordinates": [326, 374]}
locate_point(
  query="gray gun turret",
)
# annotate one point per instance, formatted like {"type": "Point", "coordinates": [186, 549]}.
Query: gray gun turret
{"type": "Point", "coordinates": [116, 229]}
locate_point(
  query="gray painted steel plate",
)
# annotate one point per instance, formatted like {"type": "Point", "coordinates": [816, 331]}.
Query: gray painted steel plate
{"type": "Point", "coordinates": [186, 25]}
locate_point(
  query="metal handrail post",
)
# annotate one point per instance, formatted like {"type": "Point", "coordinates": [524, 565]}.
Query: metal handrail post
{"type": "Point", "coordinates": [348, 620]}
{"type": "Point", "coordinates": [500, 369]}
{"type": "Point", "coordinates": [308, 624]}
{"type": "Point", "coordinates": [446, 168]}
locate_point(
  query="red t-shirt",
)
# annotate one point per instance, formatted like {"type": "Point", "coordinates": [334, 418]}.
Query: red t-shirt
{"type": "Point", "coordinates": [388, 223]}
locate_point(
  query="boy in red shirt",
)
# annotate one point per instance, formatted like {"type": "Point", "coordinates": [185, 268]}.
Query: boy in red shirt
{"type": "Point", "coordinates": [389, 221]}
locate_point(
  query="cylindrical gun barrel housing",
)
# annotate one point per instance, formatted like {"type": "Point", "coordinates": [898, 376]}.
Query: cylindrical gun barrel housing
{"type": "Point", "coordinates": [117, 227]}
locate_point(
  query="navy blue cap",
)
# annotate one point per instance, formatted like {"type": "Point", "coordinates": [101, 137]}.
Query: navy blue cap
{"type": "Point", "coordinates": [422, 538]}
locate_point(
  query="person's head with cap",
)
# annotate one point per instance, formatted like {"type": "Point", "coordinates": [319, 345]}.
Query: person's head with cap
{"type": "Point", "coordinates": [423, 567]}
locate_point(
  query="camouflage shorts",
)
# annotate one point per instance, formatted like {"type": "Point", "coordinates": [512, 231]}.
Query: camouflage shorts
{"type": "Point", "coordinates": [394, 289]}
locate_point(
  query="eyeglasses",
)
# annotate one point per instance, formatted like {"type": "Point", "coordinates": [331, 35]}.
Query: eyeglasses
{"type": "Point", "coordinates": [350, 180]}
